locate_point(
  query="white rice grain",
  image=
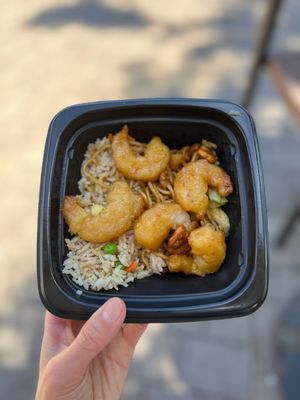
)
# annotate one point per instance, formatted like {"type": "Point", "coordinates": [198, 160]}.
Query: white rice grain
{"type": "Point", "coordinates": [86, 263]}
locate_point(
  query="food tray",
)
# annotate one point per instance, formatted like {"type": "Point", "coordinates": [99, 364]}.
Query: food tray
{"type": "Point", "coordinates": [238, 288]}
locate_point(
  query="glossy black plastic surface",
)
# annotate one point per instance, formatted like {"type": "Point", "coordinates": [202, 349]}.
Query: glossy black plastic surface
{"type": "Point", "coordinates": [241, 284]}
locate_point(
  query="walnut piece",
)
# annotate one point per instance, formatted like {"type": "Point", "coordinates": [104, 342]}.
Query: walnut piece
{"type": "Point", "coordinates": [178, 242]}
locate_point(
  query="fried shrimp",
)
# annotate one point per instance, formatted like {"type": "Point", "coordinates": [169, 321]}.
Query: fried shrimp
{"type": "Point", "coordinates": [192, 182]}
{"type": "Point", "coordinates": [176, 158]}
{"type": "Point", "coordinates": [139, 205]}
{"type": "Point", "coordinates": [143, 168]}
{"type": "Point", "coordinates": [208, 248]}
{"type": "Point", "coordinates": [154, 225]}
{"type": "Point", "coordinates": [114, 219]}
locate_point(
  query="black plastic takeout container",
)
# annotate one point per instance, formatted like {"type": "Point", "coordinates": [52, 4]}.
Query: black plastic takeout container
{"type": "Point", "coordinates": [240, 286]}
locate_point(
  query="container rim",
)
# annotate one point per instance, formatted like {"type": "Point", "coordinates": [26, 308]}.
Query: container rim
{"type": "Point", "coordinates": [240, 117]}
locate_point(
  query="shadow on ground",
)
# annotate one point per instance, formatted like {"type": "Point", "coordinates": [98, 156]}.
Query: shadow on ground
{"type": "Point", "coordinates": [288, 347]}
{"type": "Point", "coordinates": [88, 12]}
{"type": "Point", "coordinates": [229, 35]}
{"type": "Point", "coordinates": [25, 320]}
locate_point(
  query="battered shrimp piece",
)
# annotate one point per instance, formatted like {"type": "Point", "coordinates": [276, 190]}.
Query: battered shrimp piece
{"type": "Point", "coordinates": [139, 205]}
{"type": "Point", "coordinates": [208, 248]}
{"type": "Point", "coordinates": [114, 220]}
{"type": "Point", "coordinates": [183, 263]}
{"type": "Point", "coordinates": [154, 225]}
{"type": "Point", "coordinates": [192, 182]}
{"type": "Point", "coordinates": [176, 159]}
{"type": "Point", "coordinates": [143, 168]}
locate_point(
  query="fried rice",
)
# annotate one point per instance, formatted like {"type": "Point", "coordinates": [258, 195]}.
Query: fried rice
{"type": "Point", "coordinates": [86, 263]}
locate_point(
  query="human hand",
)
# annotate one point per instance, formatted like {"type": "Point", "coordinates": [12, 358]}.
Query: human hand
{"type": "Point", "coordinates": [87, 360]}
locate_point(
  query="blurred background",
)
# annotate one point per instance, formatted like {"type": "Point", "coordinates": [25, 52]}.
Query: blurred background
{"type": "Point", "coordinates": [56, 53]}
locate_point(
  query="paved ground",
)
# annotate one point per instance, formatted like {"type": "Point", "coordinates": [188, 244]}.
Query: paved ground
{"type": "Point", "coordinates": [56, 53]}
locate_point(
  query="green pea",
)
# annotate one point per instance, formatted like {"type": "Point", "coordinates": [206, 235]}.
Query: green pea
{"type": "Point", "coordinates": [110, 248]}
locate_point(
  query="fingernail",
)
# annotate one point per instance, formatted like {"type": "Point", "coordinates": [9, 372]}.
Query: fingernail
{"type": "Point", "coordinates": [112, 310]}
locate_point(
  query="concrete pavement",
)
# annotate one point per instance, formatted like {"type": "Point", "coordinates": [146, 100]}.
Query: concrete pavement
{"type": "Point", "coordinates": [56, 53]}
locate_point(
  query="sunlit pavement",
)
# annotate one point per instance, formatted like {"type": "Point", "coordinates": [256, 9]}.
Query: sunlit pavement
{"type": "Point", "coordinates": [57, 53]}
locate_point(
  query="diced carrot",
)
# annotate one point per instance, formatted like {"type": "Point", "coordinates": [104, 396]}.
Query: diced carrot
{"type": "Point", "coordinates": [110, 137]}
{"type": "Point", "coordinates": [132, 266]}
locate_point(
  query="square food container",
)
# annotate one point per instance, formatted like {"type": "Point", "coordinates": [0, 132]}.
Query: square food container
{"type": "Point", "coordinates": [239, 287]}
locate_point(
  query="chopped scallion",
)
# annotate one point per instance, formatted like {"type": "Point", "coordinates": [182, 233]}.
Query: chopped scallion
{"type": "Point", "coordinates": [214, 196]}
{"type": "Point", "coordinates": [118, 264]}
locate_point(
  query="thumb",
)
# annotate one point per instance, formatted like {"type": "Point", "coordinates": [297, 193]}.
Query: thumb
{"type": "Point", "coordinates": [95, 334]}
